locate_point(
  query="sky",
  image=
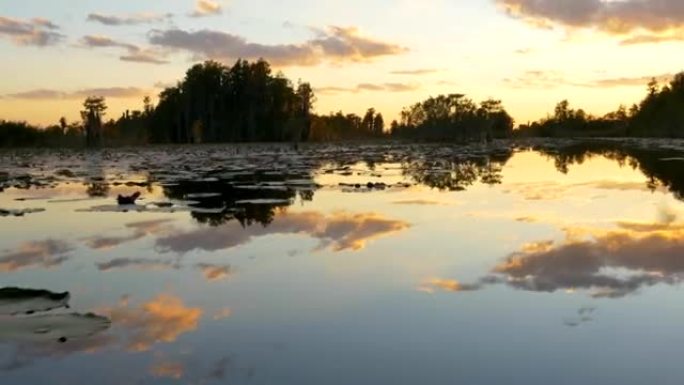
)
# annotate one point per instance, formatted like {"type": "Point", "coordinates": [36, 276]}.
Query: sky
{"type": "Point", "coordinates": [386, 54]}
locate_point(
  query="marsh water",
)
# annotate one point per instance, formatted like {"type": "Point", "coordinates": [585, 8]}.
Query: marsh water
{"type": "Point", "coordinates": [541, 262]}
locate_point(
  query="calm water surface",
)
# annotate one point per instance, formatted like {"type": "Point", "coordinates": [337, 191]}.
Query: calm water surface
{"type": "Point", "coordinates": [535, 263]}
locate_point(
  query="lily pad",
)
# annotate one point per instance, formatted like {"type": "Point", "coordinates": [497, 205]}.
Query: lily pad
{"type": "Point", "coordinates": [14, 300]}
{"type": "Point", "coordinates": [56, 328]}
{"type": "Point", "coordinates": [19, 212]}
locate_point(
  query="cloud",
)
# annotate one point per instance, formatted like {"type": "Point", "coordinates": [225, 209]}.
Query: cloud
{"type": "Point", "coordinates": [419, 71]}
{"type": "Point", "coordinates": [652, 38]}
{"type": "Point", "coordinates": [622, 17]}
{"type": "Point", "coordinates": [222, 314]}
{"type": "Point", "coordinates": [340, 231]}
{"type": "Point", "coordinates": [206, 8]}
{"type": "Point", "coordinates": [134, 52]}
{"type": "Point", "coordinates": [448, 285]}
{"type": "Point", "coordinates": [385, 87]}
{"type": "Point", "coordinates": [554, 190]}
{"type": "Point", "coordinates": [606, 263]}
{"type": "Point", "coordinates": [107, 92]}
{"type": "Point", "coordinates": [162, 319]}
{"type": "Point", "coordinates": [215, 272]}
{"type": "Point", "coordinates": [47, 253]}
{"type": "Point", "coordinates": [137, 263]}
{"type": "Point", "coordinates": [135, 19]}
{"type": "Point", "coordinates": [391, 87]}
{"type": "Point", "coordinates": [334, 89]}
{"type": "Point", "coordinates": [527, 219]}
{"type": "Point", "coordinates": [107, 242]}
{"type": "Point", "coordinates": [143, 57]}
{"type": "Point", "coordinates": [34, 32]}
{"type": "Point", "coordinates": [635, 81]}
{"type": "Point", "coordinates": [537, 79]}
{"type": "Point", "coordinates": [336, 44]}
{"type": "Point", "coordinates": [97, 41]}
{"type": "Point", "coordinates": [168, 369]}
{"type": "Point", "coordinates": [211, 272]}
{"type": "Point", "coordinates": [140, 230]}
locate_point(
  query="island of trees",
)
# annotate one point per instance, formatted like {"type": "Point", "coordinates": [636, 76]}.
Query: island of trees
{"type": "Point", "coordinates": [247, 102]}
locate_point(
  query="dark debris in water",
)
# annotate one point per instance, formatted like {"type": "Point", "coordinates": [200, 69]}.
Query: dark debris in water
{"type": "Point", "coordinates": [255, 179]}
{"type": "Point", "coordinates": [128, 199]}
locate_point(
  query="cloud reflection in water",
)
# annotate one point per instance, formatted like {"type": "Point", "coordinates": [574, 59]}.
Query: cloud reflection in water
{"type": "Point", "coordinates": [340, 231]}
{"type": "Point", "coordinates": [606, 263]}
{"type": "Point", "coordinates": [47, 253]}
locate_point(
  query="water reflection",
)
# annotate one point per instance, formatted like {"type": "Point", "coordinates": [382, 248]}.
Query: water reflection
{"type": "Point", "coordinates": [607, 263]}
{"type": "Point", "coordinates": [160, 320]}
{"type": "Point", "coordinates": [457, 172]}
{"type": "Point", "coordinates": [139, 230]}
{"type": "Point", "coordinates": [30, 323]}
{"type": "Point", "coordinates": [235, 259]}
{"type": "Point", "coordinates": [46, 253]}
{"type": "Point", "coordinates": [15, 301]}
{"type": "Point", "coordinates": [610, 263]}
{"type": "Point", "coordinates": [661, 165]}
{"type": "Point", "coordinates": [139, 327]}
{"type": "Point", "coordinates": [339, 231]}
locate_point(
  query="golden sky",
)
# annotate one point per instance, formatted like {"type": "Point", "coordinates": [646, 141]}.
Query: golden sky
{"type": "Point", "coordinates": [357, 54]}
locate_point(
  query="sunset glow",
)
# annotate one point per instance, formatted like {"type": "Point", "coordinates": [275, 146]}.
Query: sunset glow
{"type": "Point", "coordinates": [385, 54]}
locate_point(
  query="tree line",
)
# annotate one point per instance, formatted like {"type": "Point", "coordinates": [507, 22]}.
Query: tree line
{"type": "Point", "coordinates": [247, 102]}
{"type": "Point", "coordinates": [659, 114]}
{"type": "Point", "coordinates": [453, 117]}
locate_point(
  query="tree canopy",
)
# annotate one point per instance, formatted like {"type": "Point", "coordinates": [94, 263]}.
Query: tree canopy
{"type": "Point", "coordinates": [659, 114]}
{"type": "Point", "coordinates": [454, 117]}
{"type": "Point", "coordinates": [245, 102]}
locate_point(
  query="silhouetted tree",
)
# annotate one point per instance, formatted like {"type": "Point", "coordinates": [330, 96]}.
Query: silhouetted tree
{"type": "Point", "coordinates": [245, 102]}
{"type": "Point", "coordinates": [453, 117]}
{"type": "Point", "coordinates": [659, 114]}
{"type": "Point", "coordinates": [94, 110]}
{"type": "Point", "coordinates": [368, 121]}
{"type": "Point", "coordinates": [305, 104]}
{"type": "Point", "coordinates": [63, 124]}
{"type": "Point", "coordinates": [378, 125]}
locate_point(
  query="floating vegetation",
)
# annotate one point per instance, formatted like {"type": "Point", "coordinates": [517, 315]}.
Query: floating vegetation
{"type": "Point", "coordinates": [19, 212]}
{"type": "Point", "coordinates": [19, 322]}
{"type": "Point", "coordinates": [15, 300]}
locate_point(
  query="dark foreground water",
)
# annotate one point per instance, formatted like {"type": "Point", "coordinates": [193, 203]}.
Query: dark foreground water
{"type": "Point", "coordinates": [530, 263]}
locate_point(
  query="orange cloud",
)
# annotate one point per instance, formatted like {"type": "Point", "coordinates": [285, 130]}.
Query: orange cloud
{"type": "Point", "coordinates": [163, 319]}
{"type": "Point", "coordinates": [448, 285]}
{"type": "Point", "coordinates": [215, 272]}
{"type": "Point", "coordinates": [173, 370]}
{"type": "Point", "coordinates": [206, 8]}
{"type": "Point", "coordinates": [108, 92]}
